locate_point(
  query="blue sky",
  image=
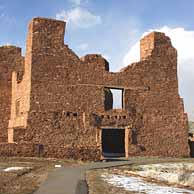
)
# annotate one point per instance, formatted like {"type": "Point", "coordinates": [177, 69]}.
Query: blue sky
{"type": "Point", "coordinates": [118, 19]}
{"type": "Point", "coordinates": [109, 27]}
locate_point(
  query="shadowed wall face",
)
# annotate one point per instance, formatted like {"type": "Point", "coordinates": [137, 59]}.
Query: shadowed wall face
{"type": "Point", "coordinates": [108, 99]}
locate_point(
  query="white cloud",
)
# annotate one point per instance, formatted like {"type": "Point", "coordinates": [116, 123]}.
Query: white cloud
{"type": "Point", "coordinates": [78, 2]}
{"type": "Point", "coordinates": [79, 17]}
{"type": "Point", "coordinates": [183, 41]}
{"type": "Point", "coordinates": [8, 44]}
{"type": "Point", "coordinates": [82, 47]}
{"type": "Point", "coordinates": [106, 56]}
{"type": "Point", "coordinates": [133, 55]}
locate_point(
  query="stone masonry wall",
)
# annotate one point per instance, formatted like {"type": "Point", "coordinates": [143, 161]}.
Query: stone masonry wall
{"type": "Point", "coordinates": [164, 126]}
{"type": "Point", "coordinates": [48, 151]}
{"type": "Point", "coordinates": [10, 59]}
{"type": "Point", "coordinates": [62, 98]}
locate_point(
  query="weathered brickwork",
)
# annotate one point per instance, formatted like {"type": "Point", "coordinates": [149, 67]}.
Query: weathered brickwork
{"type": "Point", "coordinates": [49, 151]}
{"type": "Point", "coordinates": [51, 97]}
{"type": "Point", "coordinates": [10, 60]}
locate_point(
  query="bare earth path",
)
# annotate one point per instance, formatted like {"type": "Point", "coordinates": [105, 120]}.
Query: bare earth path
{"type": "Point", "coordinates": [71, 180]}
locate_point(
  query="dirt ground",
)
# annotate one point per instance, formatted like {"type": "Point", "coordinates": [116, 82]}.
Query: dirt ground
{"type": "Point", "coordinates": [26, 181]}
{"type": "Point", "coordinates": [98, 186]}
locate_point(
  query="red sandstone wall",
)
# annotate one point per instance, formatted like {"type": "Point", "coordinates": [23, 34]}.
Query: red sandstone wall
{"type": "Point", "coordinates": [48, 151]}
{"type": "Point", "coordinates": [164, 129]}
{"type": "Point", "coordinates": [10, 59]}
{"type": "Point", "coordinates": [60, 93]}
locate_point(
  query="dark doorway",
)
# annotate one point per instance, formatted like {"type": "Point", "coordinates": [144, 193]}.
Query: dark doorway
{"type": "Point", "coordinates": [113, 142]}
{"type": "Point", "coordinates": [191, 145]}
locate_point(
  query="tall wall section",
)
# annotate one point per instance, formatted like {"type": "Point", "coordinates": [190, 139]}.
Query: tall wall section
{"type": "Point", "coordinates": [47, 65]}
{"type": "Point", "coordinates": [164, 129]}
{"type": "Point", "coordinates": [10, 59]}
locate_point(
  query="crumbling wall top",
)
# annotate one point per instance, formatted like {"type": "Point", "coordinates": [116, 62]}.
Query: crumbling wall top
{"type": "Point", "coordinates": [96, 58]}
{"type": "Point", "coordinates": [153, 40]}
{"type": "Point", "coordinates": [8, 50]}
{"type": "Point", "coordinates": [46, 33]}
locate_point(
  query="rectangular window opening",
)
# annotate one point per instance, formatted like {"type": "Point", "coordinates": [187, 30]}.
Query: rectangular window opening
{"type": "Point", "coordinates": [113, 98]}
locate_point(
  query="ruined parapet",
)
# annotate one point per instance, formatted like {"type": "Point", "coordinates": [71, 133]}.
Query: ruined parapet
{"type": "Point", "coordinates": [95, 59]}
{"type": "Point", "coordinates": [161, 58]}
{"type": "Point", "coordinates": [45, 34]}
{"type": "Point", "coordinates": [154, 44]}
{"type": "Point", "coordinates": [10, 59]}
{"type": "Point", "coordinates": [9, 50]}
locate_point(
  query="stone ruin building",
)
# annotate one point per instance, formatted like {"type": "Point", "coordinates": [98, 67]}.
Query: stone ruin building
{"type": "Point", "coordinates": [55, 104]}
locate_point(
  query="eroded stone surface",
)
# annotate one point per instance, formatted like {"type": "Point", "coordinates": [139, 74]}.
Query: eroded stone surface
{"type": "Point", "coordinates": [55, 99]}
